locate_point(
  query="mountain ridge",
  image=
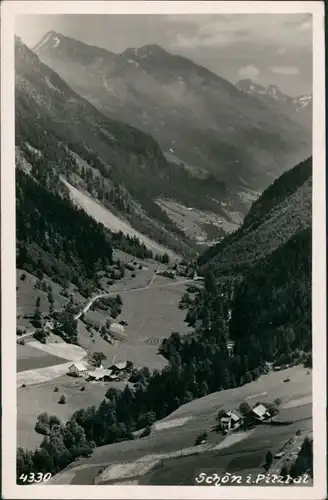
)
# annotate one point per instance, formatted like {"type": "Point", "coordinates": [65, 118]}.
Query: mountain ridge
{"type": "Point", "coordinates": [299, 107]}
{"type": "Point", "coordinates": [207, 121]}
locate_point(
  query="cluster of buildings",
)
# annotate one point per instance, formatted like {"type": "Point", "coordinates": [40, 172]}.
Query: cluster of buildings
{"type": "Point", "coordinates": [99, 374]}
{"type": "Point", "coordinates": [233, 419]}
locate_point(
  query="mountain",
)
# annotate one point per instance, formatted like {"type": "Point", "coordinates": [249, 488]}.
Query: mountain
{"type": "Point", "coordinates": [202, 122]}
{"type": "Point", "coordinates": [282, 211]}
{"type": "Point", "coordinates": [60, 135]}
{"type": "Point", "coordinates": [298, 108]}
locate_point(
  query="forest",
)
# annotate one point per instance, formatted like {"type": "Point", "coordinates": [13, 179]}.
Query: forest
{"type": "Point", "coordinates": [60, 240]}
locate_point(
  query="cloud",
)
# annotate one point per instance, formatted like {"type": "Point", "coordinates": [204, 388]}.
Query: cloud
{"type": "Point", "coordinates": [204, 41]}
{"type": "Point", "coordinates": [292, 30]}
{"type": "Point", "coordinates": [285, 70]}
{"type": "Point", "coordinates": [249, 71]}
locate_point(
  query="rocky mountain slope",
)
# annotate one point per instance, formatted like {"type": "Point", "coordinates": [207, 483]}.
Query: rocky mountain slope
{"type": "Point", "coordinates": [298, 108]}
{"type": "Point", "coordinates": [202, 122]}
{"type": "Point", "coordinates": [60, 134]}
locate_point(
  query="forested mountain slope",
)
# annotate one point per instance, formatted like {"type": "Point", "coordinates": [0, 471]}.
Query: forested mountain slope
{"type": "Point", "coordinates": [283, 210]}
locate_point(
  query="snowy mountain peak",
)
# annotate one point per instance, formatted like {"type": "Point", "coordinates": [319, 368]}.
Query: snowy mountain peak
{"type": "Point", "coordinates": [303, 101]}
{"type": "Point", "coordinates": [300, 108]}
{"type": "Point", "coordinates": [273, 92]}
{"type": "Point", "coordinates": [50, 40]}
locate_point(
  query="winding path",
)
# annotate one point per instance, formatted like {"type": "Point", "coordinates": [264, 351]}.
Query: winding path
{"type": "Point", "coordinates": [131, 290]}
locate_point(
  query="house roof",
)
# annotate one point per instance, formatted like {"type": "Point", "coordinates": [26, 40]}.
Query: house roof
{"type": "Point", "coordinates": [259, 410]}
{"type": "Point", "coordinates": [121, 365]}
{"type": "Point", "coordinates": [100, 373]}
{"type": "Point", "coordinates": [79, 366]}
{"type": "Point", "coordinates": [115, 327]}
{"type": "Point", "coordinates": [234, 415]}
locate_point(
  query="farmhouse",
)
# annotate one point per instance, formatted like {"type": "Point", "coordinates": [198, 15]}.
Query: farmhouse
{"type": "Point", "coordinates": [78, 370]}
{"type": "Point", "coordinates": [231, 420]}
{"type": "Point", "coordinates": [258, 413]}
{"type": "Point", "coordinates": [116, 329]}
{"type": "Point", "coordinates": [49, 325]}
{"type": "Point", "coordinates": [101, 374]}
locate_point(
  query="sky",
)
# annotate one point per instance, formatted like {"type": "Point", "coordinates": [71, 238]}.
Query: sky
{"type": "Point", "coordinates": [268, 48]}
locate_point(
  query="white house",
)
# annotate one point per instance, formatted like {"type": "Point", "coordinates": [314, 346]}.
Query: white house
{"type": "Point", "coordinates": [49, 325]}
{"type": "Point", "coordinates": [116, 329]}
{"type": "Point", "coordinates": [78, 369]}
{"type": "Point", "coordinates": [260, 412]}
{"type": "Point", "coordinates": [231, 420]}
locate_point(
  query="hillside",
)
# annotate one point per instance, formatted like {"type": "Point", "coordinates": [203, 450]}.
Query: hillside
{"type": "Point", "coordinates": [203, 123]}
{"type": "Point", "coordinates": [59, 134]}
{"type": "Point", "coordinates": [283, 210]}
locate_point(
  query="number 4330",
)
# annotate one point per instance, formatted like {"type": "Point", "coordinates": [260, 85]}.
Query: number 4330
{"type": "Point", "coordinates": [35, 478]}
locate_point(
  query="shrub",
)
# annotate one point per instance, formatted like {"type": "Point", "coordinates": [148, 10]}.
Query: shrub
{"type": "Point", "coordinates": [201, 437]}
{"type": "Point", "coordinates": [98, 358]}
{"type": "Point", "coordinates": [146, 432]}
{"type": "Point", "coordinates": [41, 336]}
{"type": "Point", "coordinates": [23, 277]}
{"type": "Point", "coordinates": [82, 388]}
{"type": "Point", "coordinates": [133, 275]}
{"type": "Point", "coordinates": [62, 400]}
{"type": "Point", "coordinates": [56, 389]}
{"type": "Point", "coordinates": [244, 408]}
{"type": "Point", "coordinates": [42, 428]}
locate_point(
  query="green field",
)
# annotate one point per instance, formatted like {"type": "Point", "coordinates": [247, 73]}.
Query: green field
{"type": "Point", "coordinates": [35, 358]}
{"type": "Point", "coordinates": [152, 314]}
